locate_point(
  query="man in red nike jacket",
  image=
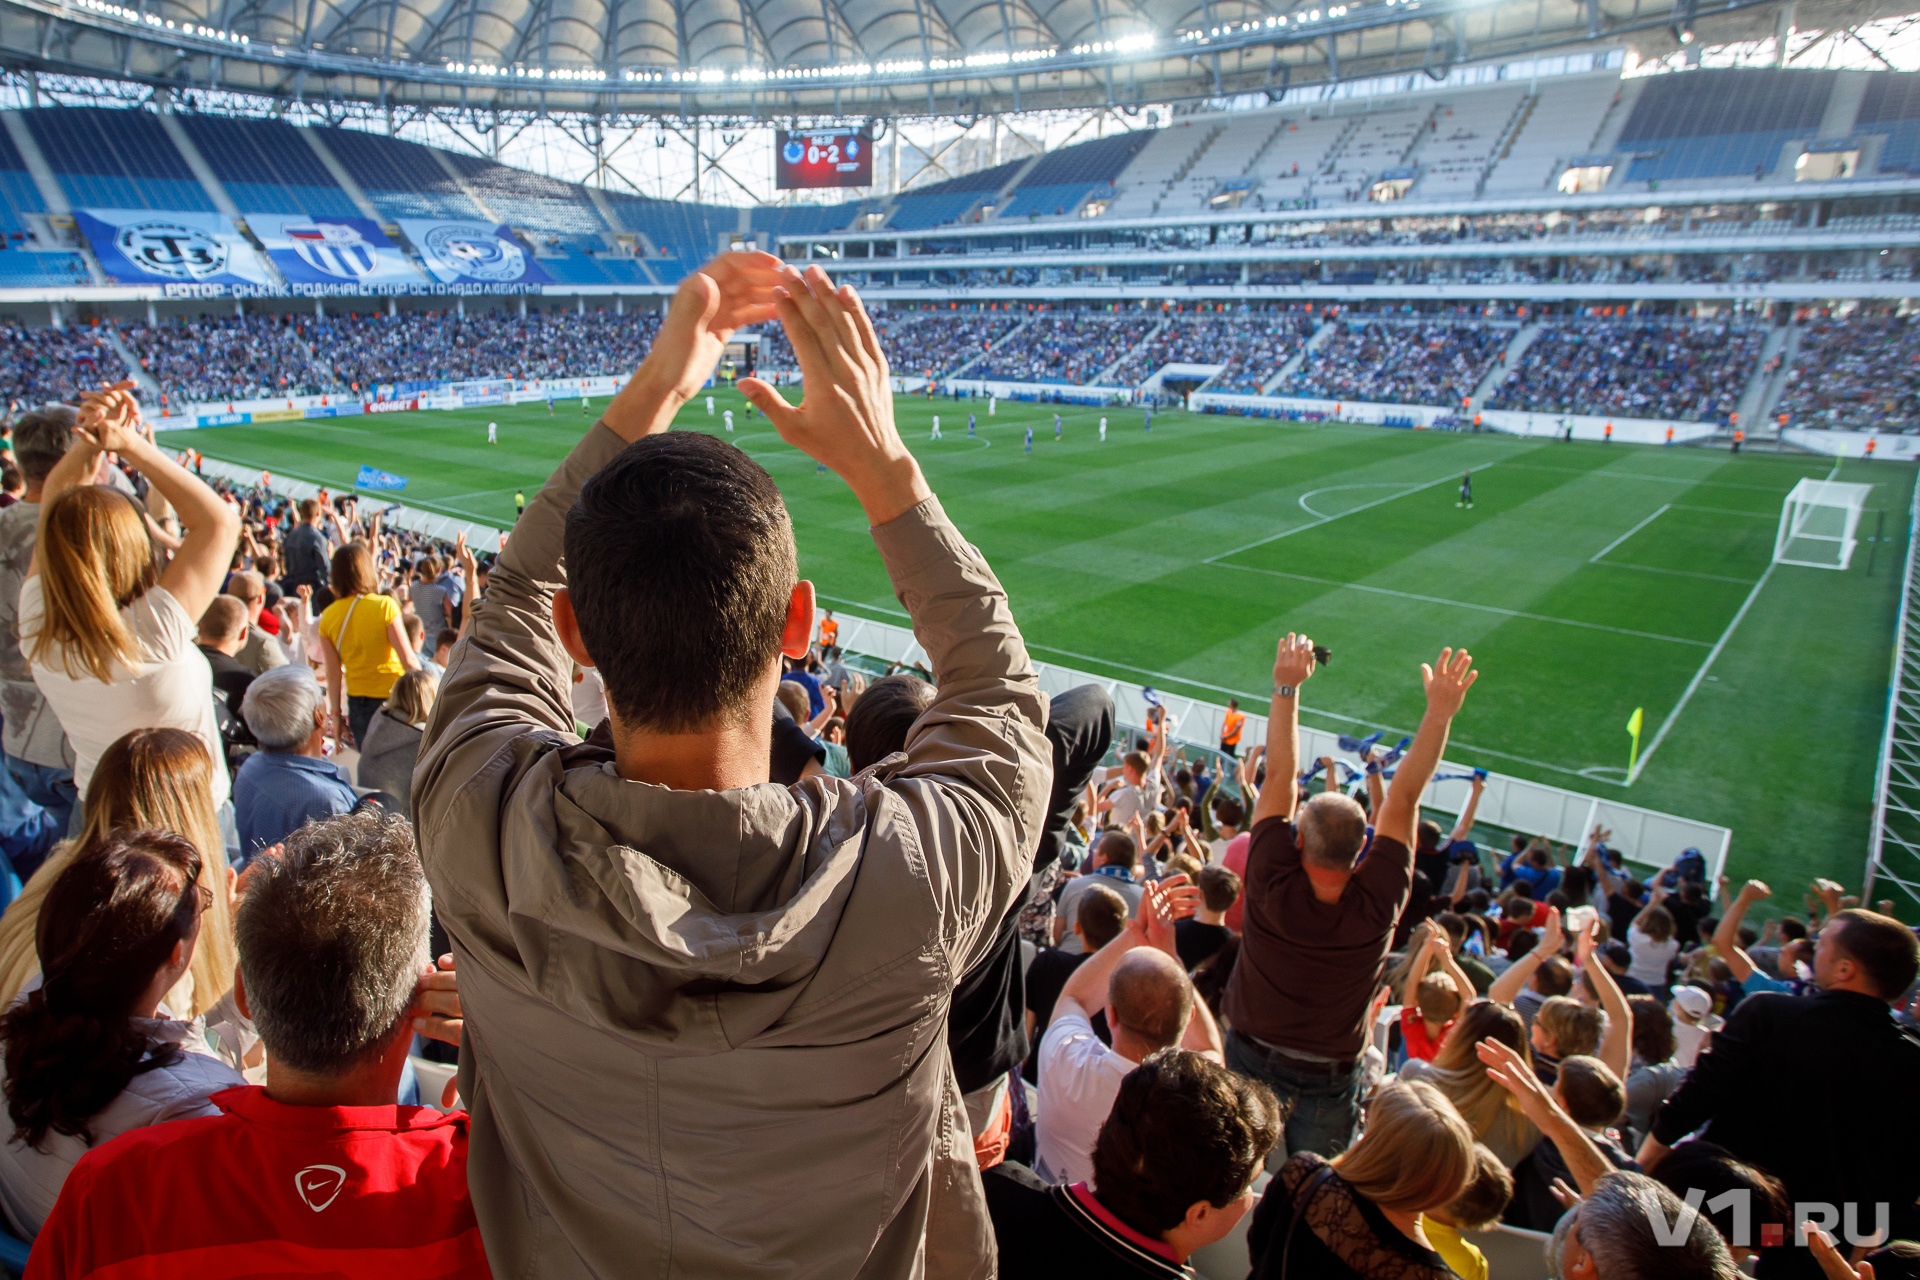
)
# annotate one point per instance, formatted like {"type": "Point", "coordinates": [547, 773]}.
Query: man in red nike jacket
{"type": "Point", "coordinates": [318, 1173]}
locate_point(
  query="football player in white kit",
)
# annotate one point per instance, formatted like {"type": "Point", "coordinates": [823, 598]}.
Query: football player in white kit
{"type": "Point", "coordinates": [493, 433]}
{"type": "Point", "coordinates": [709, 406]}
{"type": "Point", "coordinates": [936, 428]}
{"type": "Point", "coordinates": [728, 416]}
{"type": "Point", "coordinates": [1103, 430]}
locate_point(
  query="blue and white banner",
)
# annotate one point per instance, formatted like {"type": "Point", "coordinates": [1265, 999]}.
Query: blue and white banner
{"type": "Point", "coordinates": [473, 253]}
{"type": "Point", "coordinates": [374, 478]}
{"type": "Point", "coordinates": [143, 246]}
{"type": "Point", "coordinates": [353, 252]}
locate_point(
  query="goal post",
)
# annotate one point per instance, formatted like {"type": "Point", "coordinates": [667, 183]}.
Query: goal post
{"type": "Point", "coordinates": [1818, 522]}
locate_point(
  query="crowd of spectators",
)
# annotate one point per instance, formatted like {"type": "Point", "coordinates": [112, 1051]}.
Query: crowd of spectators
{"type": "Point", "coordinates": [42, 363]}
{"type": "Point", "coordinates": [926, 344]}
{"type": "Point", "coordinates": [1251, 346]}
{"type": "Point", "coordinates": [1399, 362]}
{"type": "Point", "coordinates": [1072, 347]}
{"type": "Point", "coordinates": [363, 351]}
{"type": "Point", "coordinates": [1685, 370]}
{"type": "Point", "coordinates": [230, 357]}
{"type": "Point", "coordinates": [1860, 374]}
{"type": "Point", "coordinates": [775, 966]}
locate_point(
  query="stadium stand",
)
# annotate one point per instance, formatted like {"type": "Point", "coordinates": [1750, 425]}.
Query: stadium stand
{"type": "Point", "coordinates": [18, 194]}
{"type": "Point", "coordinates": [1861, 374]}
{"type": "Point", "coordinates": [1634, 368]}
{"type": "Point", "coordinates": [1891, 107]}
{"type": "Point", "coordinates": [1377, 144]}
{"type": "Point", "coordinates": [267, 167]}
{"type": "Point", "coordinates": [42, 363]}
{"type": "Point", "coordinates": [1392, 361]}
{"type": "Point", "coordinates": [683, 235]}
{"type": "Point", "coordinates": [107, 159]}
{"type": "Point", "coordinates": [230, 357]}
{"type": "Point", "coordinates": [803, 219]}
{"type": "Point", "coordinates": [1162, 160]}
{"type": "Point", "coordinates": [1561, 121]}
{"type": "Point", "coordinates": [524, 199]}
{"type": "Point", "coordinates": [1732, 123]}
{"type": "Point", "coordinates": [402, 179]}
{"type": "Point", "coordinates": [1461, 141]}
{"type": "Point", "coordinates": [1061, 181]}
{"type": "Point", "coordinates": [1252, 347]}
{"type": "Point", "coordinates": [949, 201]}
{"type": "Point", "coordinates": [1071, 347]}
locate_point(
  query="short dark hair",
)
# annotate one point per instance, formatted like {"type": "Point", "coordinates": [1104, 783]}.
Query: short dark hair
{"type": "Point", "coordinates": [1229, 812]}
{"type": "Point", "coordinates": [1715, 1171]}
{"type": "Point", "coordinates": [1554, 977]}
{"type": "Point", "coordinates": [1182, 1129]}
{"type": "Point", "coordinates": [1101, 914]}
{"type": "Point", "coordinates": [1484, 1199]}
{"type": "Point", "coordinates": [1593, 1095]}
{"type": "Point", "coordinates": [1117, 849]}
{"type": "Point", "coordinates": [1883, 947]}
{"type": "Point", "coordinates": [332, 936]}
{"type": "Point", "coordinates": [224, 615]}
{"type": "Point", "coordinates": [881, 717]}
{"type": "Point", "coordinates": [680, 568]}
{"type": "Point", "coordinates": [41, 437]}
{"type": "Point", "coordinates": [1426, 836]}
{"type": "Point", "coordinates": [1653, 1040]}
{"type": "Point", "coordinates": [1792, 928]}
{"type": "Point", "coordinates": [1219, 887]}
{"type": "Point", "coordinates": [446, 636]}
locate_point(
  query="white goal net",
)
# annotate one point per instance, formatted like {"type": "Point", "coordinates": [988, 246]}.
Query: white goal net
{"type": "Point", "coordinates": [1818, 523]}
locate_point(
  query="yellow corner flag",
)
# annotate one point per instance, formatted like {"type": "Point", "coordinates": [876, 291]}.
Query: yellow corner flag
{"type": "Point", "coordinates": [1634, 723]}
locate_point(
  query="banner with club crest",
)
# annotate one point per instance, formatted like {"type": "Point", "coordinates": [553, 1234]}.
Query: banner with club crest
{"type": "Point", "coordinates": [345, 252]}
{"type": "Point", "coordinates": [147, 246]}
{"type": "Point", "coordinates": [473, 252]}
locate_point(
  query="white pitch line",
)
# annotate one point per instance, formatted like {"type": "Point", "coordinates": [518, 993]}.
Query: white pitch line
{"type": "Point", "coordinates": [1315, 524]}
{"type": "Point", "coordinates": [1677, 573]}
{"type": "Point", "coordinates": [1700, 675]}
{"type": "Point", "coordinates": [1659, 511]}
{"type": "Point", "coordinates": [1462, 604]}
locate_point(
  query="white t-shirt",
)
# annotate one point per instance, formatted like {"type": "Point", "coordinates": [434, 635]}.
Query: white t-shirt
{"type": "Point", "coordinates": [1079, 1079]}
{"type": "Point", "coordinates": [1650, 958]}
{"type": "Point", "coordinates": [171, 688]}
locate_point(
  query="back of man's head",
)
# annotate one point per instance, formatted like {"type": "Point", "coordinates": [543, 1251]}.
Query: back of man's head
{"type": "Point", "coordinates": [881, 717]}
{"type": "Point", "coordinates": [1116, 849]}
{"type": "Point", "coordinates": [1572, 1027]}
{"type": "Point", "coordinates": [1183, 1129]}
{"type": "Point", "coordinates": [1136, 763]}
{"type": "Point", "coordinates": [225, 617]}
{"type": "Point", "coordinates": [1219, 887]}
{"type": "Point", "coordinates": [1614, 1224]}
{"type": "Point", "coordinates": [1426, 837]}
{"type": "Point", "coordinates": [1150, 997]}
{"type": "Point", "coordinates": [309, 510]}
{"type": "Point", "coordinates": [1590, 1092]}
{"type": "Point", "coordinates": [247, 586]}
{"type": "Point", "coordinates": [680, 568]}
{"type": "Point", "coordinates": [792, 695]}
{"type": "Point", "coordinates": [1228, 812]}
{"type": "Point", "coordinates": [1554, 977]}
{"type": "Point", "coordinates": [1333, 830]}
{"type": "Point", "coordinates": [41, 438]}
{"type": "Point", "coordinates": [280, 704]}
{"type": "Point", "coordinates": [1101, 914]}
{"type": "Point", "coordinates": [333, 936]}
{"type": "Point", "coordinates": [1885, 951]}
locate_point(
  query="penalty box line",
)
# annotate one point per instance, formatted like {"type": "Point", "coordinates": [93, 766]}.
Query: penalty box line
{"type": "Point", "coordinates": [1315, 524]}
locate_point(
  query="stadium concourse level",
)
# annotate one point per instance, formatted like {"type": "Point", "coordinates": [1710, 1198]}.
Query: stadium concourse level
{"type": "Point", "coordinates": [1196, 973]}
{"type": "Point", "coordinates": [1693, 372]}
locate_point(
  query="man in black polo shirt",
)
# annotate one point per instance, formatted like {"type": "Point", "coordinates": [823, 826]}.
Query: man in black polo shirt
{"type": "Point", "coordinates": [1321, 904]}
{"type": "Point", "coordinates": [1818, 1089]}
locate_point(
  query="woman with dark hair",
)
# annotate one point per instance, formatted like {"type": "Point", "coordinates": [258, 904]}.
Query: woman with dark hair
{"type": "Point", "coordinates": [1653, 1074]}
{"type": "Point", "coordinates": [362, 642]}
{"type": "Point", "coordinates": [87, 1054]}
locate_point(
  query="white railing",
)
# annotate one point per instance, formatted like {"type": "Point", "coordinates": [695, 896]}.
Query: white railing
{"type": "Point", "coordinates": [432, 524]}
{"type": "Point", "coordinates": [1647, 837]}
{"type": "Point", "coordinates": [1895, 850]}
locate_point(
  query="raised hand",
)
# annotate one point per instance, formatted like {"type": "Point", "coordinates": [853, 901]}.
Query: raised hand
{"type": "Point", "coordinates": [1510, 1071]}
{"type": "Point", "coordinates": [436, 1003]}
{"type": "Point", "coordinates": [730, 292]}
{"type": "Point", "coordinates": [1448, 680]}
{"type": "Point", "coordinates": [110, 418]}
{"type": "Point", "coordinates": [1754, 891]}
{"type": "Point", "coordinates": [1552, 938]}
{"type": "Point", "coordinates": [1161, 904]}
{"type": "Point", "coordinates": [845, 417]}
{"type": "Point", "coordinates": [1293, 662]}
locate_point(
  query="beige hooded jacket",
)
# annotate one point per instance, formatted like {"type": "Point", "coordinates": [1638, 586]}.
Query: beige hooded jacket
{"type": "Point", "coordinates": [706, 1031]}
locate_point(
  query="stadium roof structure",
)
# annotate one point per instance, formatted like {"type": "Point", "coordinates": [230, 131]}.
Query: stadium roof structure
{"type": "Point", "coordinates": [808, 59]}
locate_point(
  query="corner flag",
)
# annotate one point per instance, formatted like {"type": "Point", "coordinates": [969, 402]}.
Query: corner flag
{"type": "Point", "coordinates": [1634, 723]}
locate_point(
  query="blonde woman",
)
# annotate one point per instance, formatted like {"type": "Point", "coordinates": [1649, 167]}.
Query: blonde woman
{"type": "Point", "coordinates": [392, 743]}
{"type": "Point", "coordinates": [1457, 1071]}
{"type": "Point", "coordinates": [362, 642]}
{"type": "Point", "coordinates": [149, 780]}
{"type": "Point", "coordinates": [109, 632]}
{"type": "Point", "coordinates": [1358, 1217]}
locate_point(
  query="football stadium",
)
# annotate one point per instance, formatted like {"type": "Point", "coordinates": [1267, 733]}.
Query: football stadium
{"type": "Point", "coordinates": [754, 638]}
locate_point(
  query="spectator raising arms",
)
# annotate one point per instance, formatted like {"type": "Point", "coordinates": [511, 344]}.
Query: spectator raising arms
{"type": "Point", "coordinates": [92, 1053]}
{"type": "Point", "coordinates": [363, 643]}
{"type": "Point", "coordinates": [318, 1173]}
{"type": "Point", "coordinates": [1319, 921]}
{"type": "Point", "coordinates": [110, 635]}
{"type": "Point", "coordinates": [150, 780]}
{"type": "Point", "coordinates": [645, 918]}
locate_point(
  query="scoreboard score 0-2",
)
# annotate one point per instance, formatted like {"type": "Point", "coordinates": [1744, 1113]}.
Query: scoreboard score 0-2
{"type": "Point", "coordinates": [823, 158]}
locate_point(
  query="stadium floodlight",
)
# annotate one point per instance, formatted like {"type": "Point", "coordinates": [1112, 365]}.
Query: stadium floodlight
{"type": "Point", "coordinates": [1818, 522]}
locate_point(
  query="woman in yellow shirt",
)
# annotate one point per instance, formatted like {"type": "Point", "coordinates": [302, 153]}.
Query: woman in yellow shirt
{"type": "Point", "coordinates": [363, 642]}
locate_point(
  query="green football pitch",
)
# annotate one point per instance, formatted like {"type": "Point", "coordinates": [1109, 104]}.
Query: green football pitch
{"type": "Point", "coordinates": [1587, 579]}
